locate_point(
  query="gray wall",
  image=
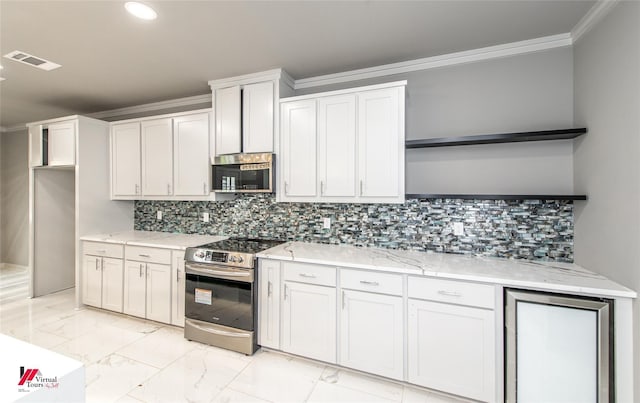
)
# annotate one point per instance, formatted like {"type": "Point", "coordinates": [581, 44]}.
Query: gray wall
{"type": "Point", "coordinates": [517, 93]}
{"type": "Point", "coordinates": [14, 195]}
{"type": "Point", "coordinates": [607, 159]}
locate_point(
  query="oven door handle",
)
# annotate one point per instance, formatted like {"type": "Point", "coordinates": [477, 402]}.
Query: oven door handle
{"type": "Point", "coordinates": [211, 329]}
{"type": "Point", "coordinates": [245, 276]}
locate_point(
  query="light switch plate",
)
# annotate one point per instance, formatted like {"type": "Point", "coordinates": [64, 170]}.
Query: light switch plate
{"type": "Point", "coordinates": [159, 215]}
{"type": "Point", "coordinates": [205, 217]}
{"type": "Point", "coordinates": [326, 222]}
{"type": "Point", "coordinates": [458, 228]}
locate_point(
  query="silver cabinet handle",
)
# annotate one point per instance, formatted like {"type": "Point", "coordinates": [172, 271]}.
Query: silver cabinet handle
{"type": "Point", "coordinates": [143, 255]}
{"type": "Point", "coordinates": [96, 264]}
{"type": "Point", "coordinates": [137, 189]}
{"type": "Point", "coordinates": [177, 276]}
{"type": "Point", "coordinates": [343, 300]}
{"type": "Point", "coordinates": [168, 188]}
{"type": "Point", "coordinates": [286, 188]}
{"type": "Point", "coordinates": [321, 188]}
{"type": "Point", "coordinates": [375, 283]}
{"type": "Point", "coordinates": [307, 275]}
{"type": "Point", "coordinates": [450, 293]}
{"type": "Point", "coordinates": [285, 291]}
{"type": "Point", "coordinates": [141, 269]}
{"type": "Point", "coordinates": [269, 289]}
{"type": "Point", "coordinates": [361, 187]}
{"type": "Point", "coordinates": [204, 188]}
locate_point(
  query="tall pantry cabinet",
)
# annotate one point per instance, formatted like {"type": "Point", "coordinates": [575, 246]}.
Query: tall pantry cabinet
{"type": "Point", "coordinates": [68, 198]}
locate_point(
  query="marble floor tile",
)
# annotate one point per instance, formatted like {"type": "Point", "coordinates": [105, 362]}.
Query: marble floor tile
{"type": "Point", "coordinates": [35, 336]}
{"type": "Point", "coordinates": [232, 396]}
{"type": "Point", "coordinates": [94, 345]}
{"type": "Point", "coordinates": [198, 376]}
{"type": "Point", "coordinates": [415, 395]}
{"type": "Point", "coordinates": [363, 383]}
{"type": "Point", "coordinates": [112, 377]}
{"type": "Point", "coordinates": [278, 378]}
{"type": "Point", "coordinates": [152, 349]}
{"type": "Point", "coordinates": [327, 392]}
{"type": "Point", "coordinates": [80, 323]}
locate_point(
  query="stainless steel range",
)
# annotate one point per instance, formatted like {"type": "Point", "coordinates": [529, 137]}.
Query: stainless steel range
{"type": "Point", "coordinates": [221, 295]}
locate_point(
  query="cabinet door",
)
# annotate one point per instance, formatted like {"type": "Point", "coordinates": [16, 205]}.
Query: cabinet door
{"type": "Point", "coordinates": [112, 284]}
{"type": "Point", "coordinates": [177, 289]}
{"type": "Point", "coordinates": [62, 143]}
{"type": "Point", "coordinates": [135, 288]}
{"type": "Point", "coordinates": [257, 118]}
{"type": "Point", "coordinates": [159, 292]}
{"type": "Point", "coordinates": [337, 145]}
{"type": "Point", "coordinates": [298, 144]}
{"type": "Point", "coordinates": [125, 160]}
{"type": "Point", "coordinates": [191, 155]}
{"type": "Point", "coordinates": [309, 321]}
{"type": "Point", "coordinates": [157, 158]}
{"type": "Point", "coordinates": [35, 145]}
{"type": "Point", "coordinates": [227, 117]}
{"type": "Point", "coordinates": [381, 142]}
{"type": "Point", "coordinates": [371, 333]}
{"type": "Point", "coordinates": [269, 304]}
{"type": "Point", "coordinates": [451, 348]}
{"type": "Point", "coordinates": [91, 281]}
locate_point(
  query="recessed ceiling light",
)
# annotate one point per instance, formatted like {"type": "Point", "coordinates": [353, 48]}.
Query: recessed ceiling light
{"type": "Point", "coordinates": [140, 10]}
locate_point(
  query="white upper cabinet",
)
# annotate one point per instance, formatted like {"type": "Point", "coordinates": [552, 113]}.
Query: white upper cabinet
{"type": "Point", "coordinates": [35, 145]}
{"type": "Point", "coordinates": [257, 117]}
{"type": "Point", "coordinates": [227, 112]}
{"type": "Point", "coordinates": [162, 158]}
{"type": "Point", "coordinates": [191, 155]}
{"type": "Point", "coordinates": [62, 143]}
{"type": "Point", "coordinates": [336, 145]}
{"type": "Point", "coordinates": [299, 148]}
{"type": "Point", "coordinates": [356, 136]}
{"type": "Point", "coordinates": [157, 157]}
{"type": "Point", "coordinates": [381, 143]}
{"type": "Point", "coordinates": [125, 159]}
{"type": "Point", "coordinates": [246, 113]}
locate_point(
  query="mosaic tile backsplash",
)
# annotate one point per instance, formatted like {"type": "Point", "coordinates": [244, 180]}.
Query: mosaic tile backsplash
{"type": "Point", "coordinates": [529, 229]}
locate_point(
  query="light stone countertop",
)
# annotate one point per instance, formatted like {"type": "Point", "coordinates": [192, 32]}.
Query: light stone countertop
{"type": "Point", "coordinates": [547, 276]}
{"type": "Point", "coordinates": [154, 239]}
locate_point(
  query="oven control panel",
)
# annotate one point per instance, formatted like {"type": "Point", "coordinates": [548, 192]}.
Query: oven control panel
{"type": "Point", "coordinates": [198, 255]}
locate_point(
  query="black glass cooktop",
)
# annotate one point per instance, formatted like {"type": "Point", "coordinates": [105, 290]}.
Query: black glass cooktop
{"type": "Point", "coordinates": [242, 245]}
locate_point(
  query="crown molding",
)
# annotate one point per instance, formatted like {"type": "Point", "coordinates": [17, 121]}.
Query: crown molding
{"type": "Point", "coordinates": [592, 17]}
{"type": "Point", "coordinates": [155, 106]}
{"type": "Point", "coordinates": [11, 129]}
{"type": "Point", "coordinates": [468, 56]}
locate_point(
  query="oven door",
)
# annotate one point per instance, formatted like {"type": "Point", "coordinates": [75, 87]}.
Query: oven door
{"type": "Point", "coordinates": [220, 295]}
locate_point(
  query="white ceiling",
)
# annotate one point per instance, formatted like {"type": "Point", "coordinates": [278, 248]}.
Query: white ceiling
{"type": "Point", "coordinates": [112, 60]}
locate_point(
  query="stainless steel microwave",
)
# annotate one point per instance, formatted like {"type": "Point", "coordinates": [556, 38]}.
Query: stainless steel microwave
{"type": "Point", "coordinates": [244, 173]}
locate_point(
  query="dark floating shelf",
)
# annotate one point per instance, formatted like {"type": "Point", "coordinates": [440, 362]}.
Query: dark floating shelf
{"type": "Point", "coordinates": [494, 197]}
{"type": "Point", "coordinates": [562, 134]}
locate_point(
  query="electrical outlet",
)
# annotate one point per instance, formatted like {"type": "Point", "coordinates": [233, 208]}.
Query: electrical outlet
{"type": "Point", "coordinates": [205, 217]}
{"type": "Point", "coordinates": [159, 215]}
{"type": "Point", "coordinates": [326, 223]}
{"type": "Point", "coordinates": [458, 228]}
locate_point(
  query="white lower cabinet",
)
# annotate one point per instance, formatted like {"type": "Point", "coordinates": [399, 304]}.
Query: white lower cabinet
{"type": "Point", "coordinates": [135, 289]}
{"type": "Point", "coordinates": [102, 276]}
{"type": "Point", "coordinates": [371, 333]}
{"type": "Point", "coordinates": [451, 347]}
{"type": "Point", "coordinates": [147, 283]}
{"type": "Point", "coordinates": [177, 288]}
{"type": "Point", "coordinates": [440, 334]}
{"type": "Point", "coordinates": [269, 304]}
{"type": "Point", "coordinates": [309, 321]}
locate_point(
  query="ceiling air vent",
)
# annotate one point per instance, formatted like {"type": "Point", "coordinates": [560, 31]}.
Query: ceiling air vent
{"type": "Point", "coordinates": [31, 60]}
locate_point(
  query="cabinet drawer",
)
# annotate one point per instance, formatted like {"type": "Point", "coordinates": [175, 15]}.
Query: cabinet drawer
{"type": "Point", "coordinates": [310, 273]}
{"type": "Point", "coordinates": [153, 255]}
{"type": "Point", "coordinates": [455, 292]}
{"type": "Point", "coordinates": [383, 283]}
{"type": "Point", "coordinates": [103, 249]}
